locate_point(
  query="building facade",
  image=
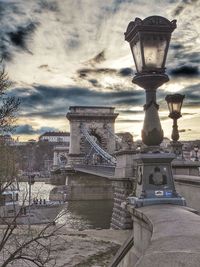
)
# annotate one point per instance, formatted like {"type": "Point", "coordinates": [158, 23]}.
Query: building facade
{"type": "Point", "coordinates": [56, 137]}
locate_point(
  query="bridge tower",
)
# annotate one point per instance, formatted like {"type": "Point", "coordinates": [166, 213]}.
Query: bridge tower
{"type": "Point", "coordinates": [98, 122]}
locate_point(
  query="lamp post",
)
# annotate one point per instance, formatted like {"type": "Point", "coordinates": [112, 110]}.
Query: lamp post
{"type": "Point", "coordinates": [31, 181]}
{"type": "Point", "coordinates": [196, 149]}
{"type": "Point", "coordinates": [174, 103]}
{"type": "Point", "coordinates": [149, 42]}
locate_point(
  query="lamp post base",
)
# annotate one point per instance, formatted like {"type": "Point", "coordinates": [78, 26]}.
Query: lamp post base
{"type": "Point", "coordinates": [177, 149]}
{"type": "Point", "coordinates": [141, 202]}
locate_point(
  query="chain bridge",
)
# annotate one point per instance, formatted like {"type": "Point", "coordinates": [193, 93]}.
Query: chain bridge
{"type": "Point", "coordinates": [96, 169]}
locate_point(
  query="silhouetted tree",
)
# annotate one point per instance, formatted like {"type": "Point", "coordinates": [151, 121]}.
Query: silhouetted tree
{"type": "Point", "coordinates": [8, 104]}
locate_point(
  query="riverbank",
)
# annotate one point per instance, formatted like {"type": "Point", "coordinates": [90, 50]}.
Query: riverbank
{"type": "Point", "coordinates": [88, 248]}
{"type": "Point", "coordinates": [71, 248]}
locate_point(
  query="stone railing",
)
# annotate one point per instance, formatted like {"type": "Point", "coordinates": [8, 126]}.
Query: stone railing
{"type": "Point", "coordinates": [189, 187]}
{"type": "Point", "coordinates": [164, 235]}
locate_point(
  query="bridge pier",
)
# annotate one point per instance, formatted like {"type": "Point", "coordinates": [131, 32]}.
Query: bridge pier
{"type": "Point", "coordinates": [85, 186]}
{"type": "Point", "coordinates": [123, 183]}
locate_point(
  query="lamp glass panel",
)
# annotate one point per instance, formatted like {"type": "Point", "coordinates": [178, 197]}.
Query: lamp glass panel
{"type": "Point", "coordinates": [136, 50]}
{"type": "Point", "coordinates": [176, 107]}
{"type": "Point", "coordinates": [170, 106]}
{"type": "Point", "coordinates": [154, 50]}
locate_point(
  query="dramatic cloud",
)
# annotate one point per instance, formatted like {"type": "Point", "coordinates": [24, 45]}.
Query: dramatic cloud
{"type": "Point", "coordinates": [128, 121]}
{"type": "Point", "coordinates": [63, 53]}
{"type": "Point", "coordinates": [182, 5]}
{"type": "Point", "coordinates": [19, 36]}
{"type": "Point", "coordinates": [28, 130]}
{"type": "Point", "coordinates": [57, 100]}
{"type": "Point", "coordinates": [130, 112]}
{"type": "Point", "coordinates": [184, 130]}
{"type": "Point", "coordinates": [185, 71]}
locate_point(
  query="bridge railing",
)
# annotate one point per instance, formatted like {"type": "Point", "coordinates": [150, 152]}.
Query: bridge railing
{"type": "Point", "coordinates": [164, 235]}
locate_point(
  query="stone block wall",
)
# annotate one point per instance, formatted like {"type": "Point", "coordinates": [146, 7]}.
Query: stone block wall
{"type": "Point", "coordinates": [121, 218]}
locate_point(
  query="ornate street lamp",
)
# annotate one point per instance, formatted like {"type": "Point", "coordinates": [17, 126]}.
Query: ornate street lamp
{"type": "Point", "coordinates": [149, 41]}
{"type": "Point", "coordinates": [196, 149]}
{"type": "Point", "coordinates": [174, 103]}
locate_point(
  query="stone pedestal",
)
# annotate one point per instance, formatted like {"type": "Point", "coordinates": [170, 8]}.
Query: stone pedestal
{"type": "Point", "coordinates": [177, 149]}
{"type": "Point", "coordinates": [155, 184]}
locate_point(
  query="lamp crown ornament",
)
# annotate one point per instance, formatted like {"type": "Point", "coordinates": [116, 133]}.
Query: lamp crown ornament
{"type": "Point", "coordinates": [149, 24]}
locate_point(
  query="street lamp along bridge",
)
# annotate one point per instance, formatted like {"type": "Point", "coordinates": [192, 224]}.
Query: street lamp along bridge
{"type": "Point", "coordinates": [149, 42]}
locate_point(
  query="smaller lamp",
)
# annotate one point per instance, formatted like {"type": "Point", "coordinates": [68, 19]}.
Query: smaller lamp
{"type": "Point", "coordinates": [174, 104]}
{"type": "Point", "coordinates": [196, 149]}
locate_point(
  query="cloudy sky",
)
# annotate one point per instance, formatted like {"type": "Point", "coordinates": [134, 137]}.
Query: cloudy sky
{"type": "Point", "coordinates": [72, 52]}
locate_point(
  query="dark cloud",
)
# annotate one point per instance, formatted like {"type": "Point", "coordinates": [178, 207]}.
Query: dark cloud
{"type": "Point", "coordinates": [176, 46]}
{"type": "Point", "coordinates": [128, 121]}
{"type": "Point", "coordinates": [187, 113]}
{"type": "Point", "coordinates": [185, 71]}
{"type": "Point", "coordinates": [48, 112]}
{"type": "Point", "coordinates": [183, 56]}
{"type": "Point", "coordinates": [130, 111]}
{"type": "Point", "coordinates": [94, 82]}
{"type": "Point", "coordinates": [28, 129]}
{"type": "Point", "coordinates": [184, 130]}
{"type": "Point", "coordinates": [5, 53]}
{"type": "Point", "coordinates": [73, 42]}
{"type": "Point", "coordinates": [182, 5]}
{"type": "Point", "coordinates": [19, 36]}
{"type": "Point", "coordinates": [126, 72]}
{"type": "Point", "coordinates": [86, 71]}
{"type": "Point", "coordinates": [47, 101]}
{"type": "Point", "coordinates": [98, 58]}
{"type": "Point", "coordinates": [49, 5]}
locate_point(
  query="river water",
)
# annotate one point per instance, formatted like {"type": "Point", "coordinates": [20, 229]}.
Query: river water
{"type": "Point", "coordinates": [93, 214]}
